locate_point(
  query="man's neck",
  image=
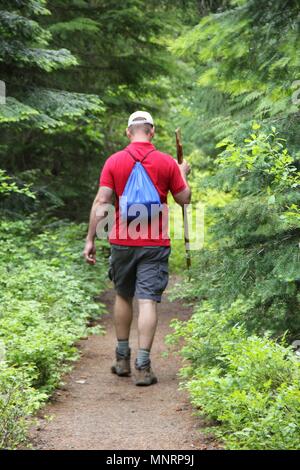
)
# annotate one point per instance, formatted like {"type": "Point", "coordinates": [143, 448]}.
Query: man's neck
{"type": "Point", "coordinates": [140, 139]}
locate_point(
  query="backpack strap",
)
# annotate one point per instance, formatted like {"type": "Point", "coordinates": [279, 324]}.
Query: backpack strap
{"type": "Point", "coordinates": [136, 159]}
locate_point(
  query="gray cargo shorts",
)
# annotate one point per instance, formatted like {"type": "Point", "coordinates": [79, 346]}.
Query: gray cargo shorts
{"type": "Point", "coordinates": [140, 271]}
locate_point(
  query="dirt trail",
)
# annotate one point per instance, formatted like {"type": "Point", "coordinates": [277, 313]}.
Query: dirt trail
{"type": "Point", "coordinates": [98, 410]}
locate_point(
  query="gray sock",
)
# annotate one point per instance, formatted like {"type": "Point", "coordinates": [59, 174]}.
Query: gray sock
{"type": "Point", "coordinates": [143, 358]}
{"type": "Point", "coordinates": [123, 347]}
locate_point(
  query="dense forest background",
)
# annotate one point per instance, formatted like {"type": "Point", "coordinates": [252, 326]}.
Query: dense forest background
{"type": "Point", "coordinates": [227, 72]}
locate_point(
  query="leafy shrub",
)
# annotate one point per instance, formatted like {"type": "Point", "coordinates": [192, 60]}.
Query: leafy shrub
{"type": "Point", "coordinates": [8, 186]}
{"type": "Point", "coordinates": [247, 384]}
{"type": "Point", "coordinates": [18, 400]}
{"type": "Point", "coordinates": [45, 298]}
{"type": "Point", "coordinates": [253, 238]}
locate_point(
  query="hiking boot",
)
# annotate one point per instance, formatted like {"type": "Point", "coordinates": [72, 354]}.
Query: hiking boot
{"type": "Point", "coordinates": [121, 366]}
{"type": "Point", "coordinates": [144, 375]}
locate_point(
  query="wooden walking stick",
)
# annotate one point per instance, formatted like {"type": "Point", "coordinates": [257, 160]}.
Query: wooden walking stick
{"type": "Point", "coordinates": [184, 212]}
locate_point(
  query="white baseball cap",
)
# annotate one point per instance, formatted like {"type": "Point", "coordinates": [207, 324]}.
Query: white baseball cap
{"type": "Point", "coordinates": [142, 118]}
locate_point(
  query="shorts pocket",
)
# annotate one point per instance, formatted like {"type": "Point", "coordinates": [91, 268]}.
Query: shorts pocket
{"type": "Point", "coordinates": [111, 270]}
{"type": "Point", "coordinates": [111, 274]}
{"type": "Point", "coordinates": [163, 276]}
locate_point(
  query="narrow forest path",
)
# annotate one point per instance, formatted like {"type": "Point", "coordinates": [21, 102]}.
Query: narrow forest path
{"type": "Point", "coordinates": [98, 410]}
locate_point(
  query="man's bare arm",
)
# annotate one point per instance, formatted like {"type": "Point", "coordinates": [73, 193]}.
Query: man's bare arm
{"type": "Point", "coordinates": [103, 197]}
{"type": "Point", "coordinates": [184, 196]}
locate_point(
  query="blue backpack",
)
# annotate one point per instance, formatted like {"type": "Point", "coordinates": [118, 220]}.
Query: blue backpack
{"type": "Point", "coordinates": [139, 189]}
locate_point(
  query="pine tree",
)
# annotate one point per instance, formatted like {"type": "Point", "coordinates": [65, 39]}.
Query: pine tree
{"type": "Point", "coordinates": [83, 57]}
{"type": "Point", "coordinates": [252, 249]}
{"type": "Point", "coordinates": [25, 61]}
{"type": "Point", "coordinates": [244, 64]}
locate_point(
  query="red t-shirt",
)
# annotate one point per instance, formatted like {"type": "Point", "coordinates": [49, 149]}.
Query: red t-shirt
{"type": "Point", "coordinates": [165, 175]}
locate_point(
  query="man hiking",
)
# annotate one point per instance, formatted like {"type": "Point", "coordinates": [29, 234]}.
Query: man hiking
{"type": "Point", "coordinates": [138, 261]}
